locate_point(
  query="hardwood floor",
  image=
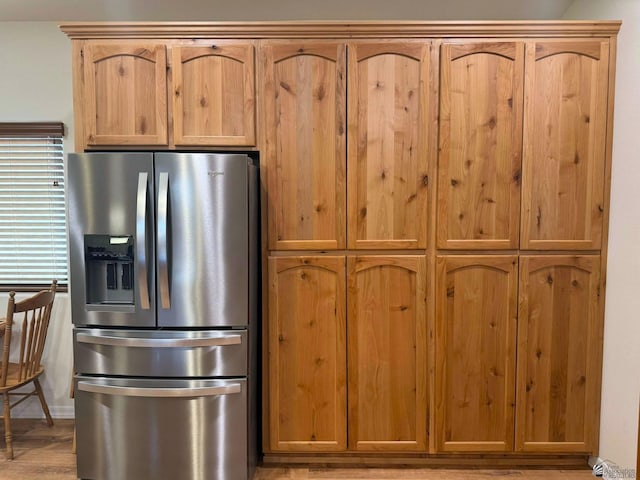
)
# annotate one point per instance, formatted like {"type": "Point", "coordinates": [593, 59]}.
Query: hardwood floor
{"type": "Point", "coordinates": [44, 453]}
{"type": "Point", "coordinates": [40, 452]}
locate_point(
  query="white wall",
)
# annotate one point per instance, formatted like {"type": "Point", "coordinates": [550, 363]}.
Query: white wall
{"type": "Point", "coordinates": [244, 10]}
{"type": "Point", "coordinates": [621, 375]}
{"type": "Point", "coordinates": [35, 85]}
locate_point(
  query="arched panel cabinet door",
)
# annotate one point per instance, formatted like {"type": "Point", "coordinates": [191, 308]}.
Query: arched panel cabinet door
{"type": "Point", "coordinates": [389, 128]}
{"type": "Point", "coordinates": [476, 321]}
{"type": "Point", "coordinates": [307, 354]}
{"type": "Point", "coordinates": [213, 91]}
{"type": "Point", "coordinates": [125, 90]}
{"type": "Point", "coordinates": [558, 354]}
{"type": "Point", "coordinates": [387, 353]}
{"type": "Point", "coordinates": [479, 165]}
{"type": "Point", "coordinates": [564, 144]}
{"type": "Point", "coordinates": [305, 138]}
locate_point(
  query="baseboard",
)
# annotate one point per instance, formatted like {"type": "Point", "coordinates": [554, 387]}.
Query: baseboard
{"type": "Point", "coordinates": [34, 411]}
{"type": "Point", "coordinates": [541, 461]}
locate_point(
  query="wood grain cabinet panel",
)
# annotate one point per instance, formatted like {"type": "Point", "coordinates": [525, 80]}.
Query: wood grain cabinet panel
{"type": "Point", "coordinates": [213, 91]}
{"type": "Point", "coordinates": [558, 359]}
{"type": "Point", "coordinates": [125, 93]}
{"type": "Point", "coordinates": [387, 144]}
{"type": "Point", "coordinates": [479, 167]}
{"type": "Point", "coordinates": [387, 355]}
{"type": "Point", "coordinates": [476, 318]}
{"type": "Point", "coordinates": [564, 144]}
{"type": "Point", "coordinates": [305, 121]}
{"type": "Point", "coordinates": [307, 354]}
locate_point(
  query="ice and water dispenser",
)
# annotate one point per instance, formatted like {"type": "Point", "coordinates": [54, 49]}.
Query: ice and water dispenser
{"type": "Point", "coordinates": [109, 269]}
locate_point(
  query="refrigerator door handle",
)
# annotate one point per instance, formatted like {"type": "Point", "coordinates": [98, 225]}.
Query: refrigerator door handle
{"type": "Point", "coordinates": [163, 257]}
{"type": "Point", "coordinates": [187, 392]}
{"type": "Point", "coordinates": [141, 239]}
{"type": "Point", "coordinates": [159, 342]}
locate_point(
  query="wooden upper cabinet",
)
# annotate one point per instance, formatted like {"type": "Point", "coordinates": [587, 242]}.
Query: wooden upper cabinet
{"type": "Point", "coordinates": [387, 353]}
{"type": "Point", "coordinates": [558, 354]}
{"type": "Point", "coordinates": [307, 354]}
{"type": "Point", "coordinates": [305, 138]}
{"type": "Point", "coordinates": [387, 180]}
{"type": "Point", "coordinates": [476, 319]}
{"type": "Point", "coordinates": [479, 167]}
{"type": "Point", "coordinates": [213, 90]}
{"type": "Point", "coordinates": [564, 144]}
{"type": "Point", "coordinates": [125, 93]}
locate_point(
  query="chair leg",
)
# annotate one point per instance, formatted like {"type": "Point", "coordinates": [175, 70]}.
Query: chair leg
{"type": "Point", "coordinates": [7, 426]}
{"type": "Point", "coordinates": [43, 402]}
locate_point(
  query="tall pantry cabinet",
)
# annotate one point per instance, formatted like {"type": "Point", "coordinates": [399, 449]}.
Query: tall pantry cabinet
{"type": "Point", "coordinates": [522, 143]}
{"type": "Point", "coordinates": [435, 218]}
{"type": "Point", "coordinates": [381, 186]}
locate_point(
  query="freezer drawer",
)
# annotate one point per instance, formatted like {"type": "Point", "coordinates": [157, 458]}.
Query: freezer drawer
{"type": "Point", "coordinates": [161, 429]}
{"type": "Point", "coordinates": [161, 353]}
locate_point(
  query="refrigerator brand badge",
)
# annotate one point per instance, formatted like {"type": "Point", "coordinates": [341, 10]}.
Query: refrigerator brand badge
{"type": "Point", "coordinates": [214, 173]}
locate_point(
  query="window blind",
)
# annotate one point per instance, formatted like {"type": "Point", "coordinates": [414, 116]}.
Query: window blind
{"type": "Point", "coordinates": [33, 241]}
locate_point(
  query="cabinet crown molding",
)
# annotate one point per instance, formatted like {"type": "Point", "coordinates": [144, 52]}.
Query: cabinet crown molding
{"type": "Point", "coordinates": [341, 29]}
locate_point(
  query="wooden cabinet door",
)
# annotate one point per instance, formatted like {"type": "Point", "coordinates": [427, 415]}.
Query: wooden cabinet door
{"type": "Point", "coordinates": [564, 144]}
{"type": "Point", "coordinates": [213, 89]}
{"type": "Point", "coordinates": [305, 112]}
{"type": "Point", "coordinates": [387, 180]}
{"type": "Point", "coordinates": [476, 318]}
{"type": "Point", "coordinates": [307, 354]}
{"type": "Point", "coordinates": [558, 354]}
{"type": "Point", "coordinates": [479, 164]}
{"type": "Point", "coordinates": [387, 353]}
{"type": "Point", "coordinates": [125, 93]}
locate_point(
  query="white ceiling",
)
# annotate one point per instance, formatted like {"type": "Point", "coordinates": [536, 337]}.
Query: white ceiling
{"type": "Point", "coordinates": [213, 10]}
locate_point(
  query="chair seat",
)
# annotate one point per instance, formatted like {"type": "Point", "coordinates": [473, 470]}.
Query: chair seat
{"type": "Point", "coordinates": [12, 377]}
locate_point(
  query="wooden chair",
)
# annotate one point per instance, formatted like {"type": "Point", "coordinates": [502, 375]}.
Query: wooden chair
{"type": "Point", "coordinates": [36, 312]}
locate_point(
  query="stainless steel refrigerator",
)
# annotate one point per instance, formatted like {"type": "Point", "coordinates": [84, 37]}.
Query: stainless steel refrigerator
{"type": "Point", "coordinates": [164, 265]}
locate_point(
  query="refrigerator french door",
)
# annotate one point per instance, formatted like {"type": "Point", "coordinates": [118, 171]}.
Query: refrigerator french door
{"type": "Point", "coordinates": [164, 287]}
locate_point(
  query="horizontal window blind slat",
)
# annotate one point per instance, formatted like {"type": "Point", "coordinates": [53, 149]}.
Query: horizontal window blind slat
{"type": "Point", "coordinates": [36, 263]}
{"type": "Point", "coordinates": [34, 267]}
{"type": "Point", "coordinates": [44, 160]}
{"type": "Point", "coordinates": [35, 174]}
{"type": "Point", "coordinates": [13, 155]}
{"type": "Point", "coordinates": [10, 139]}
{"type": "Point", "coordinates": [23, 216]}
{"type": "Point", "coordinates": [26, 270]}
{"type": "Point", "coordinates": [35, 146]}
{"type": "Point", "coordinates": [56, 258]}
{"type": "Point", "coordinates": [35, 280]}
{"type": "Point", "coordinates": [31, 167]}
{"type": "Point", "coordinates": [47, 209]}
{"type": "Point", "coordinates": [34, 236]}
{"type": "Point", "coordinates": [34, 240]}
